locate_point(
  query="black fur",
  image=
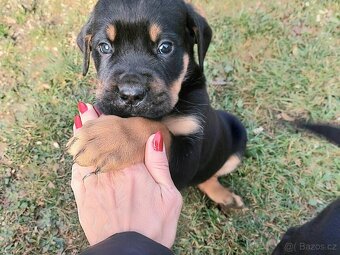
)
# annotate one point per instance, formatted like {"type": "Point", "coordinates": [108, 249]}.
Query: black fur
{"type": "Point", "coordinates": [195, 157]}
{"type": "Point", "coordinates": [322, 234]}
{"type": "Point", "coordinates": [319, 236]}
{"type": "Point", "coordinates": [331, 133]}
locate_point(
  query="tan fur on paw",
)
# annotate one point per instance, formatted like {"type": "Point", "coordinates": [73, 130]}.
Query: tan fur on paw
{"type": "Point", "coordinates": [111, 143]}
{"type": "Point", "coordinates": [220, 194]}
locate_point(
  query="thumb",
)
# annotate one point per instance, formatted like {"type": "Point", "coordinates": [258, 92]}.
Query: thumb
{"type": "Point", "coordinates": [156, 160]}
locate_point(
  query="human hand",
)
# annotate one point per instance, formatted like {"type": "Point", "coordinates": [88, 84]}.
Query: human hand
{"type": "Point", "coordinates": [141, 198]}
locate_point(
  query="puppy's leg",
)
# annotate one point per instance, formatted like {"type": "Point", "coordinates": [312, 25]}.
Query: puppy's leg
{"type": "Point", "coordinates": [220, 194]}
{"type": "Point", "coordinates": [217, 192]}
{"type": "Point", "coordinates": [111, 143]}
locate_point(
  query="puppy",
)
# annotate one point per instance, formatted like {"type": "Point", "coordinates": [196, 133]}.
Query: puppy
{"type": "Point", "coordinates": [319, 236]}
{"type": "Point", "coordinates": [149, 80]}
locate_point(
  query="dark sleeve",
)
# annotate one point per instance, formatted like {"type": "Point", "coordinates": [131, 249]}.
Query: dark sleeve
{"type": "Point", "coordinates": [128, 243]}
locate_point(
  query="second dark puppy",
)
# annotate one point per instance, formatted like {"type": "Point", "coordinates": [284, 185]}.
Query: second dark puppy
{"type": "Point", "coordinates": [318, 236]}
{"type": "Point", "coordinates": [143, 51]}
{"type": "Point", "coordinates": [321, 235]}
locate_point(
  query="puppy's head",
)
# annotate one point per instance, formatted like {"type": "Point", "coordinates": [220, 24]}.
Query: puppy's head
{"type": "Point", "coordinates": [142, 51]}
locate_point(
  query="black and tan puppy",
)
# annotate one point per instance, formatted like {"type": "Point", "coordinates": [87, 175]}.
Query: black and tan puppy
{"type": "Point", "coordinates": [319, 236]}
{"type": "Point", "coordinates": [143, 51]}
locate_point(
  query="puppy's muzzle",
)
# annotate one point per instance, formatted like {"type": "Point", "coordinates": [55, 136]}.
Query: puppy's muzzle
{"type": "Point", "coordinates": [131, 94]}
{"type": "Point", "coordinates": [132, 86]}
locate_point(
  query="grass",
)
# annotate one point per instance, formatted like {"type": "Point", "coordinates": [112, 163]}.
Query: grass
{"type": "Point", "coordinates": [268, 60]}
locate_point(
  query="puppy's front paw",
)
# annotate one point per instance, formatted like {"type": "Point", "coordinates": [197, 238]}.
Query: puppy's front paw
{"type": "Point", "coordinates": [232, 201]}
{"type": "Point", "coordinates": [111, 143]}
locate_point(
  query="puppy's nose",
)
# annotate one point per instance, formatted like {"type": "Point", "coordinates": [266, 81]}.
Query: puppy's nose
{"type": "Point", "coordinates": [131, 94]}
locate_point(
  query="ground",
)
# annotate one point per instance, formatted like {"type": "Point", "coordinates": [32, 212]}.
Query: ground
{"type": "Point", "coordinates": [270, 62]}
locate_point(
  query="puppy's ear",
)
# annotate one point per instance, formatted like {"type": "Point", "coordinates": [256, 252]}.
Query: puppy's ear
{"type": "Point", "coordinates": [200, 29]}
{"type": "Point", "coordinates": [84, 40]}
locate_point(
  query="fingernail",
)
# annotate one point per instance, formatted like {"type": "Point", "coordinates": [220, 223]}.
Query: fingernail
{"type": "Point", "coordinates": [82, 107]}
{"type": "Point", "coordinates": [158, 142]}
{"type": "Point", "coordinates": [77, 122]}
{"type": "Point", "coordinates": [98, 111]}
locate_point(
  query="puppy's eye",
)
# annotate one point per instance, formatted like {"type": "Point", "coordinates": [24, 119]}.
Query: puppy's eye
{"type": "Point", "coordinates": [165, 48]}
{"type": "Point", "coordinates": [105, 48]}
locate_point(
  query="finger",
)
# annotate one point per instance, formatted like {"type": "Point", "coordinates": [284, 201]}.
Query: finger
{"type": "Point", "coordinates": [77, 124]}
{"type": "Point", "coordinates": [76, 181]}
{"type": "Point", "coordinates": [156, 161]}
{"type": "Point", "coordinates": [87, 112]}
{"type": "Point", "coordinates": [82, 178]}
{"type": "Point", "coordinates": [97, 109]}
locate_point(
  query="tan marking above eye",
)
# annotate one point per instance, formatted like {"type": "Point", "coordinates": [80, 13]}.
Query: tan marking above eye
{"type": "Point", "coordinates": [111, 32]}
{"type": "Point", "coordinates": [176, 86]}
{"type": "Point", "coordinates": [183, 125]}
{"type": "Point", "coordinates": [155, 31]}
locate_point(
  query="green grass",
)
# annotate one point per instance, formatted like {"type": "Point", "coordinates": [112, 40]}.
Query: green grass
{"type": "Point", "coordinates": [273, 57]}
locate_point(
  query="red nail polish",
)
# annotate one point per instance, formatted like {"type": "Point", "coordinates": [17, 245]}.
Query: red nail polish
{"type": "Point", "coordinates": [158, 142]}
{"type": "Point", "coordinates": [98, 111]}
{"type": "Point", "coordinates": [82, 107]}
{"type": "Point", "coordinates": [77, 122]}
